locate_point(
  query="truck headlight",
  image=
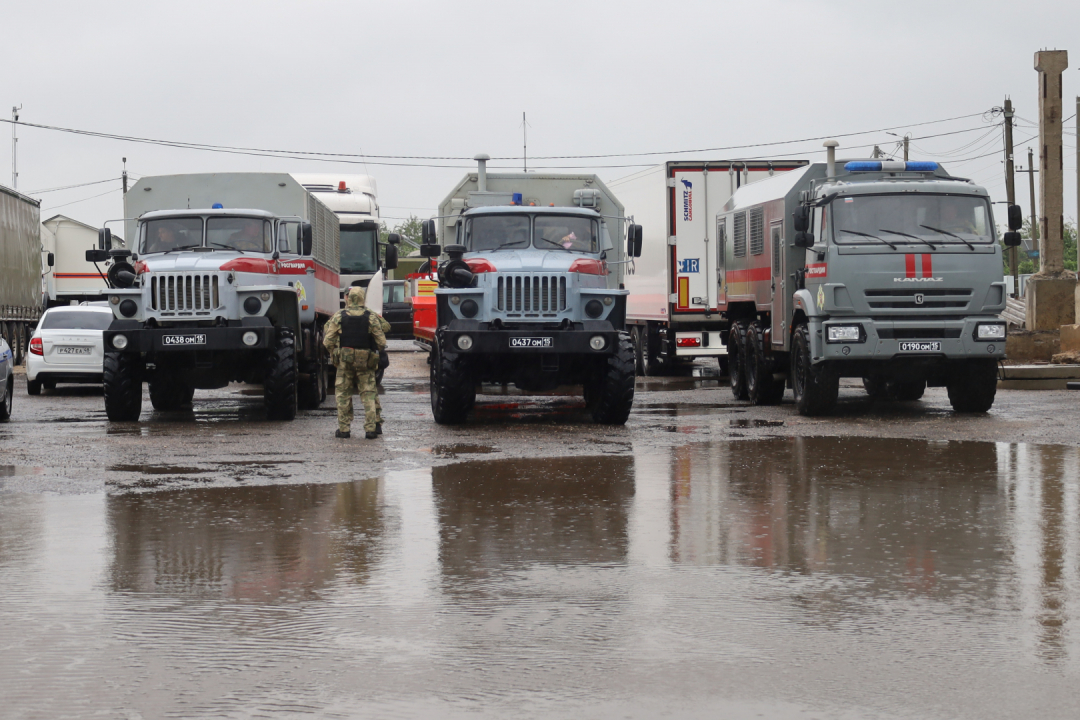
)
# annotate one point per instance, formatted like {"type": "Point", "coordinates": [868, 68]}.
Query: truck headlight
{"type": "Point", "coordinates": [464, 342]}
{"type": "Point", "coordinates": [990, 331]}
{"type": "Point", "coordinates": [469, 308]}
{"type": "Point", "coordinates": [597, 342]}
{"type": "Point", "coordinates": [119, 342]}
{"type": "Point", "coordinates": [128, 308]}
{"type": "Point", "coordinates": [250, 338]}
{"type": "Point", "coordinates": [252, 306]}
{"type": "Point", "coordinates": [845, 333]}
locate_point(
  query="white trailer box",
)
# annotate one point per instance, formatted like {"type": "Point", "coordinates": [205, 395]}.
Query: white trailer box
{"type": "Point", "coordinates": [72, 277]}
{"type": "Point", "coordinates": [672, 311]}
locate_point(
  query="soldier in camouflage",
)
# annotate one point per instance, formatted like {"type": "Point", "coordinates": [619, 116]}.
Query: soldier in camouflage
{"type": "Point", "coordinates": [354, 336]}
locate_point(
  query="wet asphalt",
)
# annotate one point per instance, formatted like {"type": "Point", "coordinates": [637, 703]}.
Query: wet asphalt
{"type": "Point", "coordinates": [709, 559]}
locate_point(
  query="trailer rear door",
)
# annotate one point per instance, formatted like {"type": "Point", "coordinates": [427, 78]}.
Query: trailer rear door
{"type": "Point", "coordinates": [697, 193]}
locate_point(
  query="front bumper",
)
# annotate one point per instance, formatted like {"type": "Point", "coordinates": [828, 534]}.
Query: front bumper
{"type": "Point", "coordinates": [522, 340]}
{"type": "Point", "coordinates": [885, 340]}
{"type": "Point", "coordinates": [192, 339]}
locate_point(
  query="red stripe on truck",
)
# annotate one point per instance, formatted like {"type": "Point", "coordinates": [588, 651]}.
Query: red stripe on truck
{"type": "Point", "coordinates": [927, 266]}
{"type": "Point", "coordinates": [751, 275]}
{"type": "Point", "coordinates": [909, 266]}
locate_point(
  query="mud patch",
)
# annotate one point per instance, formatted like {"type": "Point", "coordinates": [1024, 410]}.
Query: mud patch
{"type": "Point", "coordinates": [755, 422]}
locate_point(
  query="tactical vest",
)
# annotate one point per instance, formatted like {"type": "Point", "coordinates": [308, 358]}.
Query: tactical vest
{"type": "Point", "coordinates": [354, 331]}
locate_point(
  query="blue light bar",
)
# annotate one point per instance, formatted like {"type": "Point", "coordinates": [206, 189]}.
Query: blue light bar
{"type": "Point", "coordinates": [217, 206]}
{"type": "Point", "coordinates": [890, 166]}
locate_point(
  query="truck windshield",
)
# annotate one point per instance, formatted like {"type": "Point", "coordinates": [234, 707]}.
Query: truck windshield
{"type": "Point", "coordinates": [358, 253]}
{"type": "Point", "coordinates": [171, 234]}
{"type": "Point", "coordinates": [245, 234]}
{"type": "Point", "coordinates": [511, 232]}
{"type": "Point", "coordinates": [920, 218]}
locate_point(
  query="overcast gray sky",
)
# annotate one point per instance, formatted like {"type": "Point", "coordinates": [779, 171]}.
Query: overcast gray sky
{"type": "Point", "coordinates": [452, 79]}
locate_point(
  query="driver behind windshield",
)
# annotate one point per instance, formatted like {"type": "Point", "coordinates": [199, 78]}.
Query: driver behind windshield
{"type": "Point", "coordinates": [574, 234]}
{"type": "Point", "coordinates": [166, 235]}
{"type": "Point", "coordinates": [249, 237]}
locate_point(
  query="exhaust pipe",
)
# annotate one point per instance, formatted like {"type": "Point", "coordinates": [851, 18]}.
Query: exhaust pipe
{"type": "Point", "coordinates": [830, 157]}
{"type": "Point", "coordinates": [481, 173]}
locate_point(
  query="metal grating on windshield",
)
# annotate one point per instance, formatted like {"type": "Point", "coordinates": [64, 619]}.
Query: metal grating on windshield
{"type": "Point", "coordinates": [739, 238]}
{"type": "Point", "coordinates": [757, 231]}
{"type": "Point", "coordinates": [531, 295]}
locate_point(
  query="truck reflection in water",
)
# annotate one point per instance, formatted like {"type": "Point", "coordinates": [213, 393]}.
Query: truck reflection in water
{"type": "Point", "coordinates": [979, 523]}
{"type": "Point", "coordinates": [253, 543]}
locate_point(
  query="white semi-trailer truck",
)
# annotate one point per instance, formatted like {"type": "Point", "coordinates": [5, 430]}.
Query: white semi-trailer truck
{"type": "Point", "coordinates": [672, 312]}
{"type": "Point", "coordinates": [233, 277]}
{"type": "Point", "coordinates": [354, 199]}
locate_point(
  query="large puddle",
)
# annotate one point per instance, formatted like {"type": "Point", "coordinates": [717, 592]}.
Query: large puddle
{"type": "Point", "coordinates": [809, 577]}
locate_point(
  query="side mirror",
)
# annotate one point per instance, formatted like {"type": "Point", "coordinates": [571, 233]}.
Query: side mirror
{"type": "Point", "coordinates": [391, 257]}
{"type": "Point", "coordinates": [393, 239]}
{"type": "Point", "coordinates": [804, 239]}
{"type": "Point", "coordinates": [305, 238]}
{"type": "Point", "coordinates": [104, 239]}
{"type": "Point", "coordinates": [801, 219]}
{"type": "Point", "coordinates": [428, 235]}
{"type": "Point", "coordinates": [1011, 238]}
{"type": "Point", "coordinates": [633, 241]}
{"type": "Point", "coordinates": [51, 259]}
{"type": "Point", "coordinates": [1016, 218]}
{"type": "Point", "coordinates": [430, 250]}
{"type": "Point", "coordinates": [96, 256]}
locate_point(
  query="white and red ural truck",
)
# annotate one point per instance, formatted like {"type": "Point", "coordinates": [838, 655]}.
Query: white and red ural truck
{"type": "Point", "coordinates": [673, 311]}
{"type": "Point", "coordinates": [232, 277]}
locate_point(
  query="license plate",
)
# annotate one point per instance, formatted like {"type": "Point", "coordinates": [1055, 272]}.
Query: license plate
{"type": "Point", "coordinates": [530, 342]}
{"type": "Point", "coordinates": [920, 347]}
{"type": "Point", "coordinates": [183, 339]}
{"type": "Point", "coordinates": [71, 350]}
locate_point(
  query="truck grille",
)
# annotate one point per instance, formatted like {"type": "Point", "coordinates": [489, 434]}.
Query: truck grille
{"type": "Point", "coordinates": [907, 299]}
{"type": "Point", "coordinates": [532, 294]}
{"type": "Point", "coordinates": [184, 293]}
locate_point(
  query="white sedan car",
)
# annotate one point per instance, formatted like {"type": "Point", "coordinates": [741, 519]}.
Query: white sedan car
{"type": "Point", "coordinates": [67, 347]}
{"type": "Point", "coordinates": [7, 380]}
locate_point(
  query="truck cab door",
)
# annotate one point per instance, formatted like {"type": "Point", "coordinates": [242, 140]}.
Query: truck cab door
{"type": "Point", "coordinates": [295, 268]}
{"type": "Point", "coordinates": [721, 259]}
{"type": "Point", "coordinates": [779, 287]}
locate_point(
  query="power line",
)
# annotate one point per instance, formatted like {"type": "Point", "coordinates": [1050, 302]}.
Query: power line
{"type": "Point", "coordinates": [365, 158]}
{"type": "Point", "coordinates": [69, 187]}
{"type": "Point", "coordinates": [75, 202]}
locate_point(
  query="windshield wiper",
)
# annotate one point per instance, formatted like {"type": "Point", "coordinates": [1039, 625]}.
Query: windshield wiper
{"type": "Point", "coordinates": [228, 247]}
{"type": "Point", "coordinates": [856, 232]}
{"type": "Point", "coordinates": [913, 237]}
{"type": "Point", "coordinates": [509, 243]}
{"type": "Point", "coordinates": [185, 247]}
{"type": "Point", "coordinates": [946, 232]}
{"type": "Point", "coordinates": [558, 245]}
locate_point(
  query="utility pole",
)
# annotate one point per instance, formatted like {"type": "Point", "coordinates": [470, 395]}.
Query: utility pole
{"type": "Point", "coordinates": [907, 140]}
{"type": "Point", "coordinates": [15, 148]}
{"type": "Point", "coordinates": [1034, 215]}
{"type": "Point", "coordinates": [877, 152]}
{"type": "Point", "coordinates": [1010, 188]}
{"type": "Point", "coordinates": [525, 141]}
{"type": "Point", "coordinates": [123, 177]}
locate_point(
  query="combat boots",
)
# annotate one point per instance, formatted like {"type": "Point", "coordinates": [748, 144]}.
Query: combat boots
{"type": "Point", "coordinates": [346, 434]}
{"type": "Point", "coordinates": [378, 428]}
{"type": "Point", "coordinates": [371, 435]}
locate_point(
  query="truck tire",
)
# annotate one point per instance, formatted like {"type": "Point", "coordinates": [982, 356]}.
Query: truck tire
{"type": "Point", "coordinates": [875, 388]}
{"type": "Point", "coordinates": [651, 363]}
{"type": "Point", "coordinates": [639, 350]}
{"type": "Point", "coordinates": [168, 393]}
{"type": "Point", "coordinates": [761, 388]}
{"type": "Point", "coordinates": [7, 399]}
{"type": "Point", "coordinates": [122, 378]}
{"type": "Point", "coordinates": [973, 385]}
{"type": "Point", "coordinates": [311, 387]}
{"type": "Point", "coordinates": [612, 395]}
{"type": "Point", "coordinates": [20, 344]}
{"type": "Point", "coordinates": [736, 360]}
{"type": "Point", "coordinates": [279, 378]}
{"type": "Point", "coordinates": [816, 387]}
{"type": "Point", "coordinates": [453, 391]}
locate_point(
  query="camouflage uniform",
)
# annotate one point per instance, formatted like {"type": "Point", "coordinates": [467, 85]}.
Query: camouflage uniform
{"type": "Point", "coordinates": [356, 367]}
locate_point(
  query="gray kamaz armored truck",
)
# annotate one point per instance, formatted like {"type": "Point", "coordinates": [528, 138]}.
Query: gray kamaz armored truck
{"type": "Point", "coordinates": [531, 293]}
{"type": "Point", "coordinates": [888, 271]}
